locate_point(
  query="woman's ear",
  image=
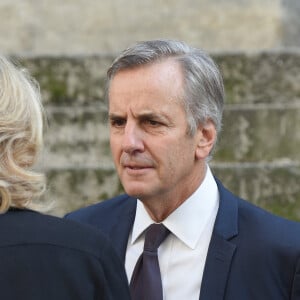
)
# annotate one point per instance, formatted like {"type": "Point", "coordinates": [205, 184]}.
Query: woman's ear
{"type": "Point", "coordinates": [207, 135]}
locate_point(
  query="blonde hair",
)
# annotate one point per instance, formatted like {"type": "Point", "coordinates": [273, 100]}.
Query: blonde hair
{"type": "Point", "coordinates": [21, 137]}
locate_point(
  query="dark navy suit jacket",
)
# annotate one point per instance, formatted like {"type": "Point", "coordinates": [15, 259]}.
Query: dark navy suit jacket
{"type": "Point", "coordinates": [253, 255]}
{"type": "Point", "coordinates": [43, 258]}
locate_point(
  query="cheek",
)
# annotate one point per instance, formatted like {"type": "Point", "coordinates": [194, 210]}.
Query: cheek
{"type": "Point", "coordinates": [115, 150]}
{"type": "Point", "coordinates": [114, 141]}
{"type": "Point", "coordinates": [172, 161]}
{"type": "Point", "coordinates": [183, 155]}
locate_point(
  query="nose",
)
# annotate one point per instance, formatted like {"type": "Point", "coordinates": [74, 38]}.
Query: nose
{"type": "Point", "coordinates": [132, 138]}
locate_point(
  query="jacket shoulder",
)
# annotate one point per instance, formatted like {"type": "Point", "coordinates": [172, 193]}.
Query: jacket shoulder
{"type": "Point", "coordinates": [99, 214]}
{"type": "Point", "coordinates": [242, 216]}
{"type": "Point", "coordinates": [28, 227]}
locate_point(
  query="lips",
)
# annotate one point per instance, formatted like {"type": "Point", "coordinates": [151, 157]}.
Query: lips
{"type": "Point", "coordinates": [135, 167]}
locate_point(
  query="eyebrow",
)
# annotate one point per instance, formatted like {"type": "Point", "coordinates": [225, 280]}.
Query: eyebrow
{"type": "Point", "coordinates": [150, 115]}
{"type": "Point", "coordinates": [114, 116]}
{"type": "Point", "coordinates": [141, 116]}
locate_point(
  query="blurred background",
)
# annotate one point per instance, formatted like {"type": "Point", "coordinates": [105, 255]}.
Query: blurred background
{"type": "Point", "coordinates": [68, 45]}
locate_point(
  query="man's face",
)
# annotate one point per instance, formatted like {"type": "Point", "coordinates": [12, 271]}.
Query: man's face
{"type": "Point", "coordinates": [152, 152]}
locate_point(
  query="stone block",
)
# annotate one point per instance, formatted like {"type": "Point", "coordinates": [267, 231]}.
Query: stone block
{"type": "Point", "coordinates": [70, 189]}
{"type": "Point", "coordinates": [261, 77]}
{"type": "Point", "coordinates": [260, 133]}
{"type": "Point", "coordinates": [80, 136]}
{"type": "Point", "coordinates": [69, 80]}
{"type": "Point", "coordinates": [275, 188]}
{"type": "Point", "coordinates": [76, 136]}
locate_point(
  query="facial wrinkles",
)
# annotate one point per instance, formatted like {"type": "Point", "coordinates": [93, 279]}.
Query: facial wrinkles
{"type": "Point", "coordinates": [133, 153]}
{"type": "Point", "coordinates": [138, 156]}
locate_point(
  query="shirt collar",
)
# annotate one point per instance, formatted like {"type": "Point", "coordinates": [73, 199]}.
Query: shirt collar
{"type": "Point", "coordinates": [189, 220]}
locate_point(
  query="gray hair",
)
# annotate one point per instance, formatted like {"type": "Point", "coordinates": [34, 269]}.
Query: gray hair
{"type": "Point", "coordinates": [21, 137]}
{"type": "Point", "coordinates": [203, 83]}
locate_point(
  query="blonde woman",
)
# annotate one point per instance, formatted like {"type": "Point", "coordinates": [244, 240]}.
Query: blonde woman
{"type": "Point", "coordinates": [42, 257]}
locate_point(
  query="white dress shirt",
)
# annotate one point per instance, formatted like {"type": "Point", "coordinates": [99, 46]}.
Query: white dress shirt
{"type": "Point", "coordinates": [183, 254]}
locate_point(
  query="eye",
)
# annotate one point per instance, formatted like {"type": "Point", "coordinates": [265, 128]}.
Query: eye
{"type": "Point", "coordinates": [117, 122]}
{"type": "Point", "coordinates": [152, 123]}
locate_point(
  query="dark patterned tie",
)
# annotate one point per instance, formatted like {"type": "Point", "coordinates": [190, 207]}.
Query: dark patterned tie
{"type": "Point", "coordinates": [146, 280]}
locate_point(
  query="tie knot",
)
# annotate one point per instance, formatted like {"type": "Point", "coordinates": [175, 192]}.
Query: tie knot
{"type": "Point", "coordinates": [155, 234]}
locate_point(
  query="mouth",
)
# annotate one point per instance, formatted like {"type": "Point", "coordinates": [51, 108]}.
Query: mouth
{"type": "Point", "coordinates": [136, 170]}
{"type": "Point", "coordinates": [134, 167]}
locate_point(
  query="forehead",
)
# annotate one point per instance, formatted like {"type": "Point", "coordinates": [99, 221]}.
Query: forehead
{"type": "Point", "coordinates": [163, 77]}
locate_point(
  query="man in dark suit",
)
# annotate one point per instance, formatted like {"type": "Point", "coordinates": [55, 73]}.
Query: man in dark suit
{"type": "Point", "coordinates": [43, 257]}
{"type": "Point", "coordinates": [165, 104]}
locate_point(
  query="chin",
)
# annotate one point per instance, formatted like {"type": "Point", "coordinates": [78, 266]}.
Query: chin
{"type": "Point", "coordinates": [134, 191]}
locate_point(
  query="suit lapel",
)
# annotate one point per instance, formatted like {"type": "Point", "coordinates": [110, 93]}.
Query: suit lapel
{"type": "Point", "coordinates": [216, 270]}
{"type": "Point", "coordinates": [122, 225]}
{"type": "Point", "coordinates": [221, 249]}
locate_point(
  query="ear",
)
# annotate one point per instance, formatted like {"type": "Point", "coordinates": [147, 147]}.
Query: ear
{"type": "Point", "coordinates": [207, 135]}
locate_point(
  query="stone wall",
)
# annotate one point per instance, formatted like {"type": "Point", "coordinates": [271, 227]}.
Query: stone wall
{"type": "Point", "coordinates": [258, 153]}
{"type": "Point", "coordinates": [68, 46]}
